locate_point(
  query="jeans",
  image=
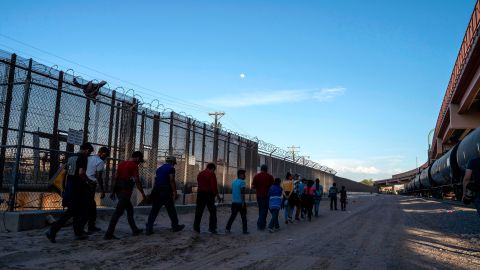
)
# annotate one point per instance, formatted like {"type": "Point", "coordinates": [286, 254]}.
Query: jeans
{"type": "Point", "coordinates": [160, 199]}
{"type": "Point", "coordinates": [476, 202]}
{"type": "Point", "coordinates": [317, 206]}
{"type": "Point", "coordinates": [236, 208]}
{"type": "Point", "coordinates": [288, 211]}
{"type": "Point", "coordinates": [205, 199]}
{"type": "Point", "coordinates": [123, 204]}
{"type": "Point", "coordinates": [333, 201]}
{"type": "Point", "coordinates": [262, 212]}
{"type": "Point", "coordinates": [274, 221]}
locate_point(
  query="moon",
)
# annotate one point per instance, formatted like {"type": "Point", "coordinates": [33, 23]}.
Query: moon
{"type": "Point", "coordinates": [242, 75]}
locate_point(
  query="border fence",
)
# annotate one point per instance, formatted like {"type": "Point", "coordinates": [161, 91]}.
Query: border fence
{"type": "Point", "coordinates": [41, 108]}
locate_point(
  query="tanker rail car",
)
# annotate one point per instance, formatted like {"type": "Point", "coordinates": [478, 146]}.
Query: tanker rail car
{"type": "Point", "coordinates": [445, 175]}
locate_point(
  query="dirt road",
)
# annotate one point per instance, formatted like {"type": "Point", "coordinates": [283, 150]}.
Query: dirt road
{"type": "Point", "coordinates": [377, 232]}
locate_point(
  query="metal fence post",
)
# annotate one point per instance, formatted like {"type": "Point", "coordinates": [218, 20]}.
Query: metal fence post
{"type": "Point", "coordinates": [21, 129]}
{"type": "Point", "coordinates": [86, 121]}
{"type": "Point", "coordinates": [203, 145]}
{"type": "Point", "coordinates": [54, 142]}
{"type": "Point", "coordinates": [142, 131]}
{"type": "Point", "coordinates": [187, 156]}
{"type": "Point", "coordinates": [110, 138]}
{"type": "Point", "coordinates": [170, 135]}
{"type": "Point", "coordinates": [6, 114]}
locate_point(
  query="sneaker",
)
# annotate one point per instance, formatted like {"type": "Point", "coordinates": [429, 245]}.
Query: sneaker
{"type": "Point", "coordinates": [297, 218]}
{"type": "Point", "coordinates": [227, 231]}
{"type": "Point", "coordinates": [137, 232]}
{"type": "Point", "coordinates": [212, 231]}
{"type": "Point", "coordinates": [271, 230]}
{"type": "Point", "coordinates": [196, 230]}
{"type": "Point", "coordinates": [110, 237]}
{"type": "Point", "coordinates": [81, 237]}
{"type": "Point", "coordinates": [94, 229]}
{"type": "Point", "coordinates": [246, 232]}
{"type": "Point", "coordinates": [50, 236]}
{"type": "Point", "coordinates": [178, 228]}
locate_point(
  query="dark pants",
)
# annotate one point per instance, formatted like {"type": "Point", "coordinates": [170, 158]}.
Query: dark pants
{"type": "Point", "coordinates": [308, 205]}
{"type": "Point", "coordinates": [238, 207]}
{"type": "Point", "coordinates": [317, 206]}
{"type": "Point", "coordinates": [122, 205]}
{"type": "Point", "coordinates": [262, 212]}
{"type": "Point", "coordinates": [92, 208]}
{"type": "Point", "coordinates": [205, 199]}
{"type": "Point", "coordinates": [75, 210]}
{"type": "Point", "coordinates": [160, 199]}
{"type": "Point", "coordinates": [476, 202]}
{"type": "Point", "coordinates": [78, 221]}
{"type": "Point", "coordinates": [333, 201]}
{"type": "Point", "coordinates": [274, 221]}
{"type": "Point", "coordinates": [343, 204]}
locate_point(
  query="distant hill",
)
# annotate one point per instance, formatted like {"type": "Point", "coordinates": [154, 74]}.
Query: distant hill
{"type": "Point", "coordinates": [353, 186]}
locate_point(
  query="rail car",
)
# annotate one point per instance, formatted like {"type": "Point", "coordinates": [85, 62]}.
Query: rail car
{"type": "Point", "coordinates": [445, 175]}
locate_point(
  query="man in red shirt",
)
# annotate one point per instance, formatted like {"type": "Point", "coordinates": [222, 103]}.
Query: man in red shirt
{"type": "Point", "coordinates": [206, 193]}
{"type": "Point", "coordinates": [262, 182]}
{"type": "Point", "coordinates": [126, 178]}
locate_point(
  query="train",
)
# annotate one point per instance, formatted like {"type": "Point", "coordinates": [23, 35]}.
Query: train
{"type": "Point", "coordinates": [444, 177]}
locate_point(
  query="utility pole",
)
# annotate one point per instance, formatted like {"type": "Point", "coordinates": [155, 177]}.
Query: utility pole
{"type": "Point", "coordinates": [293, 150]}
{"type": "Point", "coordinates": [216, 126]}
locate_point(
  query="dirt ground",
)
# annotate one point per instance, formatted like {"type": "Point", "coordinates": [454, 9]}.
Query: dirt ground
{"type": "Point", "coordinates": [377, 232]}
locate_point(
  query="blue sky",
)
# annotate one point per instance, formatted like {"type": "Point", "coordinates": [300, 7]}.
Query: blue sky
{"type": "Point", "coordinates": [356, 84]}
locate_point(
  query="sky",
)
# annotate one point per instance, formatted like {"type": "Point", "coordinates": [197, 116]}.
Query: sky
{"type": "Point", "coordinates": [357, 85]}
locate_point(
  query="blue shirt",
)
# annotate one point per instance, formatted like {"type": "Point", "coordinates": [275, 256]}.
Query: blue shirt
{"type": "Point", "coordinates": [237, 186]}
{"type": "Point", "coordinates": [275, 197]}
{"type": "Point", "coordinates": [162, 176]}
{"type": "Point", "coordinates": [301, 187]}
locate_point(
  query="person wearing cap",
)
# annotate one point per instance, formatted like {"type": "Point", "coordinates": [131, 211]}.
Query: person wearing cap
{"type": "Point", "coordinates": [74, 195]}
{"type": "Point", "coordinates": [125, 179]}
{"type": "Point", "coordinates": [95, 168]}
{"type": "Point", "coordinates": [164, 192]}
{"type": "Point", "coordinates": [262, 181]}
{"type": "Point", "coordinates": [206, 193]}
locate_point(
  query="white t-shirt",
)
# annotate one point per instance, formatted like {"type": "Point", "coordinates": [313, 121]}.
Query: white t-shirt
{"type": "Point", "coordinates": [95, 164]}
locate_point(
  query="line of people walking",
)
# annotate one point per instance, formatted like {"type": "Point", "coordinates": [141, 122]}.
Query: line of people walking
{"type": "Point", "coordinates": [84, 173]}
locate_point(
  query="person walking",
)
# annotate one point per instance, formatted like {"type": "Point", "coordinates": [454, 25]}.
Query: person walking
{"type": "Point", "coordinates": [261, 183]}
{"type": "Point", "coordinates": [332, 194]}
{"type": "Point", "coordinates": [343, 199]}
{"type": "Point", "coordinates": [206, 193]}
{"type": "Point", "coordinates": [126, 178]}
{"type": "Point", "coordinates": [471, 183]}
{"type": "Point", "coordinates": [164, 192]}
{"type": "Point", "coordinates": [95, 168]}
{"type": "Point", "coordinates": [75, 195]}
{"type": "Point", "coordinates": [297, 195]}
{"type": "Point", "coordinates": [308, 198]}
{"type": "Point", "coordinates": [238, 202]}
{"type": "Point", "coordinates": [318, 195]}
{"type": "Point", "coordinates": [288, 202]}
{"type": "Point", "coordinates": [274, 203]}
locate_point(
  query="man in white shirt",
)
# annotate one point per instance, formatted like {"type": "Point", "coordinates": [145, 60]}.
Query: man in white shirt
{"type": "Point", "coordinates": [95, 168]}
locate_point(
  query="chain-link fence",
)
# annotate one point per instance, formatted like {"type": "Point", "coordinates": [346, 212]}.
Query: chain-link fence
{"type": "Point", "coordinates": [42, 106]}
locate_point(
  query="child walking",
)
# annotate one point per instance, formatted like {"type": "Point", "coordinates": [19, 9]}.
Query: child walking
{"type": "Point", "coordinates": [274, 202]}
